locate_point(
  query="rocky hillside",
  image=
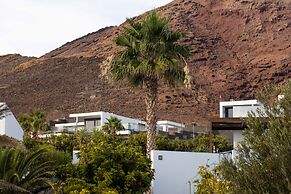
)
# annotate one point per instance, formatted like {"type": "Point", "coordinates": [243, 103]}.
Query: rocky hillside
{"type": "Point", "coordinates": [237, 46]}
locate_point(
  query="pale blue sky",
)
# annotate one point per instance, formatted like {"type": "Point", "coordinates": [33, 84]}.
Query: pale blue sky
{"type": "Point", "coordinates": [35, 27]}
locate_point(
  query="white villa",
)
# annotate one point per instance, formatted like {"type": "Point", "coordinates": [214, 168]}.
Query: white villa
{"type": "Point", "coordinates": [95, 120]}
{"type": "Point", "coordinates": [230, 123]}
{"type": "Point", "coordinates": [166, 125]}
{"type": "Point", "coordinates": [239, 109]}
{"type": "Point", "coordinates": [9, 126]}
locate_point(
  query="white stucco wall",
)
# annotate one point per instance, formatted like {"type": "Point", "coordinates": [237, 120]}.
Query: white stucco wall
{"type": "Point", "coordinates": [237, 137]}
{"type": "Point", "coordinates": [2, 126]}
{"type": "Point", "coordinates": [174, 174]}
{"type": "Point", "coordinates": [242, 111]}
{"type": "Point", "coordinates": [126, 121]}
{"type": "Point", "coordinates": [75, 156]}
{"type": "Point", "coordinates": [240, 108]}
{"type": "Point", "coordinates": [9, 126]}
{"type": "Point", "coordinates": [165, 125]}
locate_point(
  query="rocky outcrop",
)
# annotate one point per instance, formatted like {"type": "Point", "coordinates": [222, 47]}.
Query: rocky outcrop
{"type": "Point", "coordinates": [237, 47]}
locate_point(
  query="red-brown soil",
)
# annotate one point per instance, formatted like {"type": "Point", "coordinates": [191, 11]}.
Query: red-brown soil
{"type": "Point", "coordinates": [237, 46]}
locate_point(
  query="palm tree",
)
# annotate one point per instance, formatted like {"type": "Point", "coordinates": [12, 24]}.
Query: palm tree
{"type": "Point", "coordinates": [112, 125]}
{"type": "Point", "coordinates": [33, 123]}
{"type": "Point", "coordinates": [22, 172]}
{"type": "Point", "coordinates": [151, 53]}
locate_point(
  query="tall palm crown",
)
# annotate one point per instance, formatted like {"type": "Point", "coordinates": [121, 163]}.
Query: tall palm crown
{"type": "Point", "coordinates": [151, 53]}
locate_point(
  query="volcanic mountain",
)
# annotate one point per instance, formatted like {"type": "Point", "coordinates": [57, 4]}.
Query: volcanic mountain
{"type": "Point", "coordinates": [237, 47]}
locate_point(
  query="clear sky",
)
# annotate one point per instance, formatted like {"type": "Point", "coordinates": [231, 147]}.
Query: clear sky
{"type": "Point", "coordinates": [35, 27]}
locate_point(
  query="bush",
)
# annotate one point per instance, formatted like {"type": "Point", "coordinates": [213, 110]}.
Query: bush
{"type": "Point", "coordinates": [201, 143]}
{"type": "Point", "coordinates": [112, 166]}
{"type": "Point", "coordinates": [211, 181]}
{"type": "Point", "coordinates": [264, 157]}
{"type": "Point", "coordinates": [6, 141]}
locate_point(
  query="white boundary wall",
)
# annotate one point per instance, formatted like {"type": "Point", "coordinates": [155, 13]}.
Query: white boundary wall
{"type": "Point", "coordinates": [175, 173]}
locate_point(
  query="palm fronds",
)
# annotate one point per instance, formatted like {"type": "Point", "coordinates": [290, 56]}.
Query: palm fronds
{"type": "Point", "coordinates": [151, 49]}
{"type": "Point", "coordinates": [24, 170]}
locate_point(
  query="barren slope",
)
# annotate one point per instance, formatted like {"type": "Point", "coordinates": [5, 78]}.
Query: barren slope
{"type": "Point", "coordinates": [237, 47]}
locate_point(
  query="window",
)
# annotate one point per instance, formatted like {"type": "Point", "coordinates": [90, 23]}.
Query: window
{"type": "Point", "coordinates": [141, 126]}
{"type": "Point", "coordinates": [228, 112]}
{"type": "Point", "coordinates": [92, 123]}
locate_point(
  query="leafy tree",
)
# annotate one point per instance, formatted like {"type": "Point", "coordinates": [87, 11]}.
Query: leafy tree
{"type": "Point", "coordinates": [151, 53]}
{"type": "Point", "coordinates": [138, 140]}
{"type": "Point", "coordinates": [81, 137]}
{"type": "Point", "coordinates": [33, 143]}
{"type": "Point", "coordinates": [108, 164]}
{"type": "Point", "coordinates": [22, 172]}
{"type": "Point", "coordinates": [112, 125]}
{"type": "Point", "coordinates": [201, 143]}
{"type": "Point", "coordinates": [33, 123]}
{"type": "Point", "coordinates": [211, 181]}
{"type": "Point", "coordinates": [77, 185]}
{"type": "Point", "coordinates": [264, 157]}
{"type": "Point", "coordinates": [64, 142]}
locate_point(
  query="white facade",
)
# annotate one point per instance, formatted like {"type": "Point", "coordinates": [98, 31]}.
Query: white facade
{"type": "Point", "coordinates": [238, 109]}
{"type": "Point", "coordinates": [75, 159]}
{"type": "Point", "coordinates": [70, 127]}
{"type": "Point", "coordinates": [10, 127]}
{"type": "Point", "coordinates": [95, 120]}
{"type": "Point", "coordinates": [101, 118]}
{"type": "Point", "coordinates": [176, 171]}
{"type": "Point", "coordinates": [166, 125]}
{"type": "Point", "coordinates": [237, 137]}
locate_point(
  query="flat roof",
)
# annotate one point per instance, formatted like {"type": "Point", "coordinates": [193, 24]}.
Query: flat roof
{"type": "Point", "coordinates": [165, 122]}
{"type": "Point", "coordinates": [99, 113]}
{"type": "Point", "coordinates": [69, 124]}
{"type": "Point", "coordinates": [239, 102]}
{"type": "Point", "coordinates": [86, 114]}
{"type": "Point", "coordinates": [231, 123]}
{"type": "Point", "coordinates": [227, 124]}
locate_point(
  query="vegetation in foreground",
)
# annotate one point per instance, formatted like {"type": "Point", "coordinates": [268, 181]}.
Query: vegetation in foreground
{"type": "Point", "coordinates": [108, 163]}
{"type": "Point", "coordinates": [264, 157]}
{"type": "Point", "coordinates": [22, 172]}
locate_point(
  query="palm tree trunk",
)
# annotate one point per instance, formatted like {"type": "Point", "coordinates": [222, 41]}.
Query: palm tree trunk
{"type": "Point", "coordinates": [188, 77]}
{"type": "Point", "coordinates": [151, 109]}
